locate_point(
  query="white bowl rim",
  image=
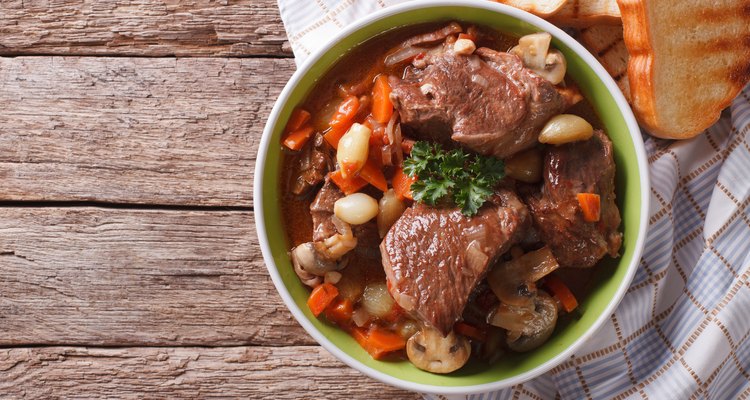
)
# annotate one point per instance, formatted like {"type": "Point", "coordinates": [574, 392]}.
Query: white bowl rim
{"type": "Point", "coordinates": [622, 105]}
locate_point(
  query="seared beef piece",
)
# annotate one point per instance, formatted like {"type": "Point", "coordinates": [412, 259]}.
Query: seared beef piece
{"type": "Point", "coordinates": [314, 163]}
{"type": "Point", "coordinates": [434, 257]}
{"type": "Point", "coordinates": [368, 240]}
{"type": "Point", "coordinates": [579, 167]}
{"type": "Point", "coordinates": [487, 102]}
{"type": "Point", "coordinates": [321, 210]}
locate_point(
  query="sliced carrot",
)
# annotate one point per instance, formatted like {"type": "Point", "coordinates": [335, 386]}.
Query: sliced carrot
{"type": "Point", "coordinates": [470, 331]}
{"type": "Point", "coordinates": [298, 138]}
{"type": "Point", "coordinates": [407, 145]}
{"type": "Point", "coordinates": [342, 120]}
{"type": "Point", "coordinates": [402, 184]}
{"type": "Point", "coordinates": [347, 185]}
{"type": "Point", "coordinates": [297, 120]}
{"type": "Point", "coordinates": [340, 311]}
{"type": "Point", "coordinates": [349, 169]}
{"type": "Point", "coordinates": [360, 335]}
{"type": "Point", "coordinates": [321, 297]}
{"type": "Point", "coordinates": [558, 289]}
{"type": "Point", "coordinates": [590, 205]}
{"type": "Point", "coordinates": [373, 174]}
{"type": "Point", "coordinates": [382, 107]}
{"type": "Point", "coordinates": [378, 341]}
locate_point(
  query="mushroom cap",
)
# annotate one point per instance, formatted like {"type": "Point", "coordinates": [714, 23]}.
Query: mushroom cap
{"type": "Point", "coordinates": [536, 55]}
{"type": "Point", "coordinates": [554, 68]}
{"type": "Point", "coordinates": [306, 258]}
{"type": "Point", "coordinates": [430, 351]}
{"type": "Point", "coordinates": [514, 282]}
{"type": "Point", "coordinates": [533, 49]}
{"type": "Point", "coordinates": [540, 327]}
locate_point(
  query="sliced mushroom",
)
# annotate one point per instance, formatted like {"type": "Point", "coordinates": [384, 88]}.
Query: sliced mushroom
{"type": "Point", "coordinates": [430, 351]}
{"type": "Point", "coordinates": [536, 55]}
{"type": "Point", "coordinates": [539, 328]}
{"type": "Point", "coordinates": [336, 246]}
{"type": "Point", "coordinates": [310, 264]}
{"type": "Point", "coordinates": [313, 260]}
{"type": "Point", "coordinates": [514, 282]}
{"type": "Point", "coordinates": [554, 68]}
{"type": "Point", "coordinates": [306, 277]}
{"type": "Point", "coordinates": [511, 318]}
{"type": "Point", "coordinates": [533, 49]}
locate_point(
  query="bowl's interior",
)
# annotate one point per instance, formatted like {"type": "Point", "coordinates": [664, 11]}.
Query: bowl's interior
{"type": "Point", "coordinates": [610, 274]}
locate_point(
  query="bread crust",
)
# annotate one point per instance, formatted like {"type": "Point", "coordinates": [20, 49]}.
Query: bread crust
{"type": "Point", "coordinates": [647, 65]}
{"type": "Point", "coordinates": [636, 34]}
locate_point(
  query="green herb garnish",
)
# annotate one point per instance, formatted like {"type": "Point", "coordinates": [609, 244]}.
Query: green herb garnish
{"type": "Point", "coordinates": [466, 179]}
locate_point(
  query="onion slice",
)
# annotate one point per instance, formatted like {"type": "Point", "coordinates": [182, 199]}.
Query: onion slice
{"type": "Point", "coordinates": [402, 55]}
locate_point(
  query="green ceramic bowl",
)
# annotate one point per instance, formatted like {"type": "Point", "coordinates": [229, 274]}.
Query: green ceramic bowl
{"type": "Point", "coordinates": [611, 280]}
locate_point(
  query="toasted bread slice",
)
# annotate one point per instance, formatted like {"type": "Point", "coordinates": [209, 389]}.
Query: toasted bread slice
{"type": "Point", "coordinates": [606, 43]}
{"type": "Point", "coordinates": [542, 8]}
{"type": "Point", "coordinates": [581, 13]}
{"type": "Point", "coordinates": [688, 60]}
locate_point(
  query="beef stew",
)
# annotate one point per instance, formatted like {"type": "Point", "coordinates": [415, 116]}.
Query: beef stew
{"type": "Point", "coordinates": [404, 241]}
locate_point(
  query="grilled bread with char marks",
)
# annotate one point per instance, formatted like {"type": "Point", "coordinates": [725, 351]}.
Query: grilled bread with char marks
{"type": "Point", "coordinates": [688, 60]}
{"type": "Point", "coordinates": [606, 43]}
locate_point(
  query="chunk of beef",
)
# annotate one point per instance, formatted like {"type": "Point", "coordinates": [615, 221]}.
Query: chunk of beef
{"type": "Point", "coordinates": [579, 167]}
{"type": "Point", "coordinates": [368, 240]}
{"type": "Point", "coordinates": [487, 102]}
{"type": "Point", "coordinates": [314, 163]}
{"type": "Point", "coordinates": [321, 210]}
{"type": "Point", "coordinates": [434, 257]}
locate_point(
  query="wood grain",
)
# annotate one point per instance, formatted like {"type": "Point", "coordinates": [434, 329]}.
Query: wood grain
{"type": "Point", "coordinates": [109, 277]}
{"type": "Point", "coordinates": [134, 130]}
{"type": "Point", "coordinates": [142, 28]}
{"type": "Point", "coordinates": [131, 129]}
{"type": "Point", "coordinates": [168, 373]}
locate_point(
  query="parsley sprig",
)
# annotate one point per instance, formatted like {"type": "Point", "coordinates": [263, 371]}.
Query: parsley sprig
{"type": "Point", "coordinates": [444, 175]}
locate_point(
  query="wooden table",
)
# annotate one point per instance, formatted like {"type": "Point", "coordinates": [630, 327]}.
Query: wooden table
{"type": "Point", "coordinates": [129, 262]}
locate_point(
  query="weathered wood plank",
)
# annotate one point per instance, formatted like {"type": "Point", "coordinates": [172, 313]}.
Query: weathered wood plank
{"type": "Point", "coordinates": [168, 373]}
{"type": "Point", "coordinates": [134, 130]}
{"type": "Point", "coordinates": [142, 28]}
{"type": "Point", "coordinates": [110, 277]}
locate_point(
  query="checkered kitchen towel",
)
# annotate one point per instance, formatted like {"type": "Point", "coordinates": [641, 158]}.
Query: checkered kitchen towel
{"type": "Point", "coordinates": [682, 330]}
